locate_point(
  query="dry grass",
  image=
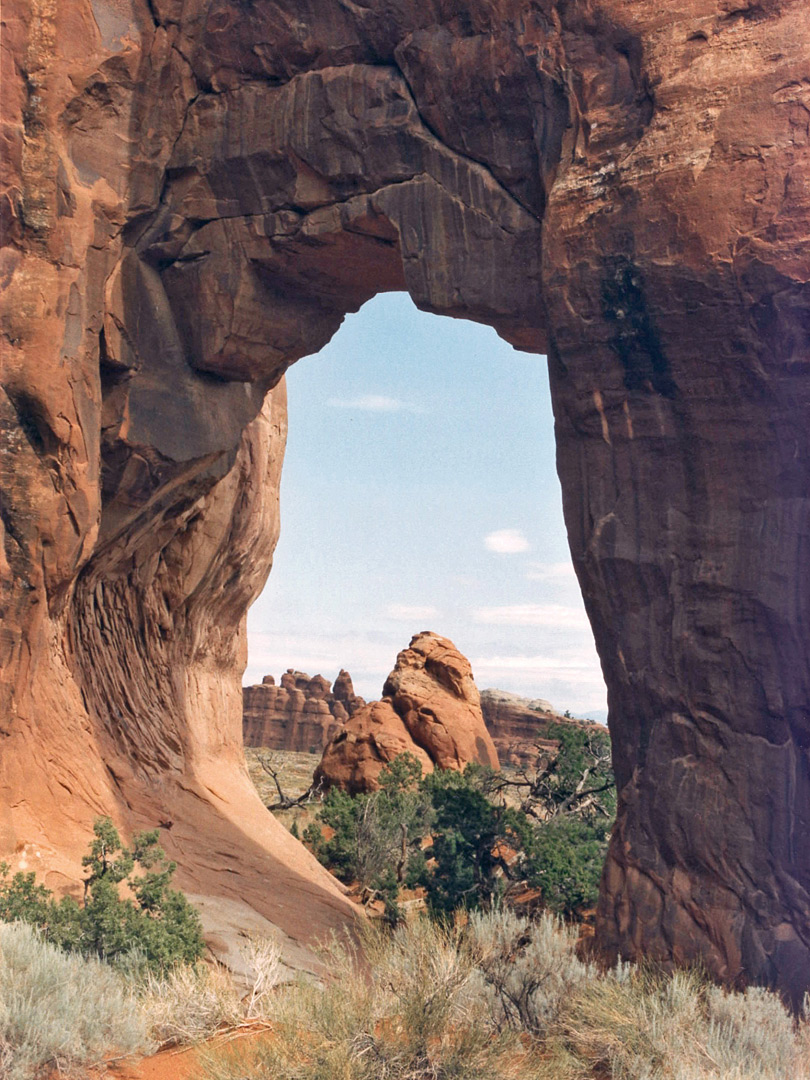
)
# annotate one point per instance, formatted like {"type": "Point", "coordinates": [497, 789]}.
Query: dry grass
{"type": "Point", "coordinates": [640, 1025]}
{"type": "Point", "coordinates": [191, 1004]}
{"type": "Point", "coordinates": [415, 1013]}
{"type": "Point", "coordinates": [502, 997]}
{"type": "Point", "coordinates": [61, 1010]}
{"type": "Point", "coordinates": [493, 997]}
{"type": "Point", "coordinates": [65, 1012]}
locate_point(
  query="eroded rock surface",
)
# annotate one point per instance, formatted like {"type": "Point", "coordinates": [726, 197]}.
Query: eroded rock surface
{"type": "Point", "coordinates": [304, 714]}
{"type": "Point", "coordinates": [301, 714]}
{"type": "Point", "coordinates": [194, 193]}
{"type": "Point", "coordinates": [430, 708]}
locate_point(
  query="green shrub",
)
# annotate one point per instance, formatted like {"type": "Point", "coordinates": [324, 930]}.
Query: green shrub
{"type": "Point", "coordinates": [472, 836]}
{"type": "Point", "coordinates": [341, 812]}
{"type": "Point", "coordinates": [157, 921]}
{"type": "Point", "coordinates": [378, 835]}
{"type": "Point", "coordinates": [555, 839]}
{"type": "Point", "coordinates": [564, 859]}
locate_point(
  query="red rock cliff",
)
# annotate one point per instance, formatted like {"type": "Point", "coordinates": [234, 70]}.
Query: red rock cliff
{"type": "Point", "coordinates": [301, 714]}
{"type": "Point", "coordinates": [194, 194]}
{"type": "Point", "coordinates": [304, 714]}
{"type": "Point", "coordinates": [517, 725]}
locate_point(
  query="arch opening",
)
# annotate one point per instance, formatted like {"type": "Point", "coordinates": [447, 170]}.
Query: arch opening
{"type": "Point", "coordinates": [419, 491]}
{"type": "Point", "coordinates": [223, 242]}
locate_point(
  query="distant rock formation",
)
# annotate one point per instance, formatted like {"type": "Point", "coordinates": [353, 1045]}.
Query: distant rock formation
{"type": "Point", "coordinates": [301, 714]}
{"type": "Point", "coordinates": [520, 726]}
{"type": "Point", "coordinates": [430, 707]}
{"type": "Point", "coordinates": [305, 714]}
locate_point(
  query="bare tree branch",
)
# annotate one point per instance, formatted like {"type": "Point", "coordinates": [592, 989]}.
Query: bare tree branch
{"type": "Point", "coordinates": [287, 802]}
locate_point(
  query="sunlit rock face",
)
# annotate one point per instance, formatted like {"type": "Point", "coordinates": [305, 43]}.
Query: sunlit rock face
{"type": "Point", "coordinates": [301, 714]}
{"type": "Point", "coordinates": [430, 709]}
{"type": "Point", "coordinates": [195, 193]}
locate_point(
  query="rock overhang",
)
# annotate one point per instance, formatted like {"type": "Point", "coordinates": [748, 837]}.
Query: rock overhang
{"type": "Point", "coordinates": [627, 187]}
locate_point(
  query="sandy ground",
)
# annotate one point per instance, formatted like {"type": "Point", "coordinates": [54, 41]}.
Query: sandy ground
{"type": "Point", "coordinates": [168, 1065]}
{"type": "Point", "coordinates": [183, 1063]}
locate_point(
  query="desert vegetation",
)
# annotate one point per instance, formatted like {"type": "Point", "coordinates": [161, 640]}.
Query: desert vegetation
{"type": "Point", "coordinates": [59, 1009]}
{"type": "Point", "coordinates": [68, 1012]}
{"type": "Point", "coordinates": [486, 995]}
{"type": "Point", "coordinates": [471, 839]}
{"type": "Point", "coordinates": [155, 922]}
{"type": "Point", "coordinates": [495, 996]}
{"type": "Point", "coordinates": [467, 989]}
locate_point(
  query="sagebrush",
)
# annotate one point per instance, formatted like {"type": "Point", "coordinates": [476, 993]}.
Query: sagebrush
{"type": "Point", "coordinates": [496, 996]}
{"type": "Point", "coordinates": [61, 1009]}
{"type": "Point", "coordinates": [486, 996]}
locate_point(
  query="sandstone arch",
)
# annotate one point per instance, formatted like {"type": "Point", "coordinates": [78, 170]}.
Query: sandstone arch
{"type": "Point", "coordinates": [198, 190]}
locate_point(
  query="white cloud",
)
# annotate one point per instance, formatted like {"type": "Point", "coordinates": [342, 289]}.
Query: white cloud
{"type": "Point", "coordinates": [538, 665]}
{"type": "Point", "coordinates": [553, 616]}
{"type": "Point", "coordinates": [411, 612]}
{"type": "Point", "coordinates": [552, 572]}
{"type": "Point", "coordinates": [573, 681]}
{"type": "Point", "coordinates": [506, 542]}
{"type": "Point", "coordinates": [372, 403]}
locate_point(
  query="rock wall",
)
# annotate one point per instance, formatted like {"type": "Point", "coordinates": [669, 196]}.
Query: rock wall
{"type": "Point", "coordinates": [304, 714]}
{"type": "Point", "coordinates": [195, 192]}
{"type": "Point", "coordinates": [430, 708]}
{"type": "Point", "coordinates": [301, 714]}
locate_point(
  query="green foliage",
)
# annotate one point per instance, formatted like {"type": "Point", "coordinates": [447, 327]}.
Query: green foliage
{"type": "Point", "coordinates": [564, 859]}
{"type": "Point", "coordinates": [21, 899]}
{"type": "Point", "coordinates": [577, 779]}
{"type": "Point", "coordinates": [555, 839]}
{"type": "Point", "coordinates": [341, 813]}
{"type": "Point", "coordinates": [378, 835]}
{"type": "Point", "coordinates": [313, 838]}
{"type": "Point", "coordinates": [101, 862]}
{"type": "Point", "coordinates": [471, 838]}
{"type": "Point", "coordinates": [156, 920]}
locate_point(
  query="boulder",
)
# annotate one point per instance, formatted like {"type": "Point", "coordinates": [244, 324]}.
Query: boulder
{"type": "Point", "coordinates": [370, 740]}
{"type": "Point", "coordinates": [430, 708]}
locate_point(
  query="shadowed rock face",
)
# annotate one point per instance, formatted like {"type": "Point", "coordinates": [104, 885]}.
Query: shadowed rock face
{"type": "Point", "coordinates": [194, 194]}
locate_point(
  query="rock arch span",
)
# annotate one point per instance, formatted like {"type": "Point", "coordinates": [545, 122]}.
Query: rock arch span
{"type": "Point", "coordinates": [197, 191]}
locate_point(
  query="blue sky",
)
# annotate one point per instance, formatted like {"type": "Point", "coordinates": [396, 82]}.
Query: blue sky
{"type": "Point", "coordinates": [419, 493]}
